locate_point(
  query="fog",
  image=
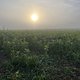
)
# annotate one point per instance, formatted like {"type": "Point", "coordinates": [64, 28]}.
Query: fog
{"type": "Point", "coordinates": [53, 14]}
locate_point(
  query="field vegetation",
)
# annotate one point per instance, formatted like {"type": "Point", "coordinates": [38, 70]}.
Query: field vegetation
{"type": "Point", "coordinates": [40, 55]}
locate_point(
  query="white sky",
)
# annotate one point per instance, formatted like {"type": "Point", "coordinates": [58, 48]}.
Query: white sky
{"type": "Point", "coordinates": [15, 14]}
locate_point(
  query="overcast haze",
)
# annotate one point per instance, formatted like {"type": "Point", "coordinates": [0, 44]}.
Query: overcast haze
{"type": "Point", "coordinates": [15, 14]}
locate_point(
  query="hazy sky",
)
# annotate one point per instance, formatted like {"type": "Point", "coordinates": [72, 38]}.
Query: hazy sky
{"type": "Point", "coordinates": [15, 14]}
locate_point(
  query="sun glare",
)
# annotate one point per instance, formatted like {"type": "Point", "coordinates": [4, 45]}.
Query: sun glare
{"type": "Point", "coordinates": [34, 17]}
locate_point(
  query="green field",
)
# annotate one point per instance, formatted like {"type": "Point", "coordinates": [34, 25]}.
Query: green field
{"type": "Point", "coordinates": [40, 55]}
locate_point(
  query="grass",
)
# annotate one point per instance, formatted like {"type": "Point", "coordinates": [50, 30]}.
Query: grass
{"type": "Point", "coordinates": [40, 55]}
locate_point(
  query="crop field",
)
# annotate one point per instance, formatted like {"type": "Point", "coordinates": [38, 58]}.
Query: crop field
{"type": "Point", "coordinates": [40, 55]}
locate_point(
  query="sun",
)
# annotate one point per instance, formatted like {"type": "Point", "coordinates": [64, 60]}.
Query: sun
{"type": "Point", "coordinates": [34, 17]}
